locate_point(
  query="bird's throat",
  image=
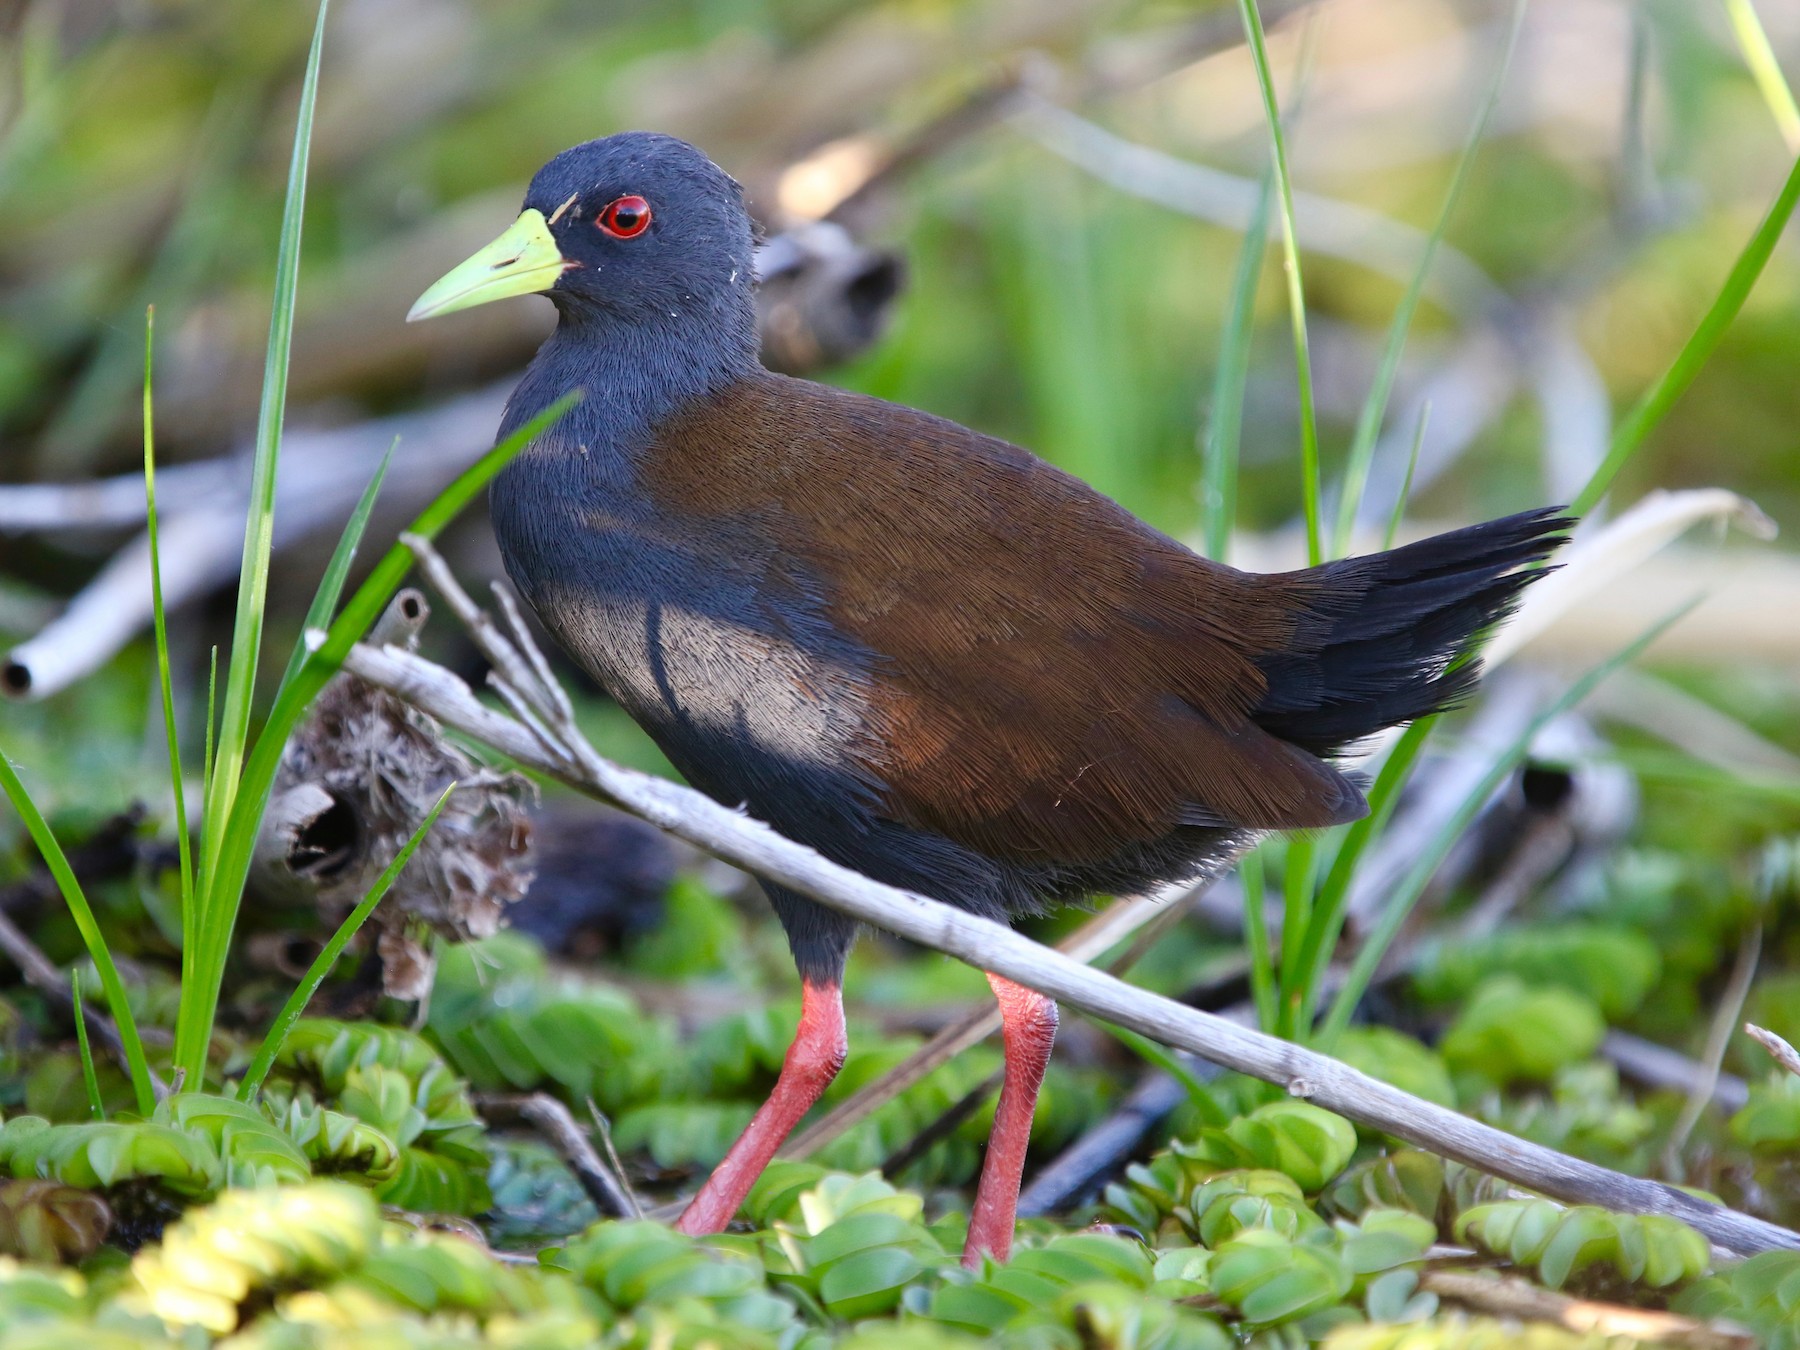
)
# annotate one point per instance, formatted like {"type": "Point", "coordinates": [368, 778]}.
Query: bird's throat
{"type": "Point", "coordinates": [573, 507]}
{"type": "Point", "coordinates": [632, 373]}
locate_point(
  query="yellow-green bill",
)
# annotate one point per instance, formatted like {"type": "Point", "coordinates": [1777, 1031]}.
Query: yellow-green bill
{"type": "Point", "coordinates": [523, 261]}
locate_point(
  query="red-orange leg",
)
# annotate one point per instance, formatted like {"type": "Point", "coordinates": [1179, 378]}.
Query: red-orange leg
{"type": "Point", "coordinates": [813, 1060]}
{"type": "Point", "coordinates": [1027, 1031]}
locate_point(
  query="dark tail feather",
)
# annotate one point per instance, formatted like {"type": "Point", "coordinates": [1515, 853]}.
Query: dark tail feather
{"type": "Point", "coordinates": [1385, 630]}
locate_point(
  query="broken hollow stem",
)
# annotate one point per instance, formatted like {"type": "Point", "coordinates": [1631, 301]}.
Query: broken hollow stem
{"type": "Point", "coordinates": [750, 844]}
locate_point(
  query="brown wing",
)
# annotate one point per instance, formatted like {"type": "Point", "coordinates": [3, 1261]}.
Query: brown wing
{"type": "Point", "coordinates": [1060, 679]}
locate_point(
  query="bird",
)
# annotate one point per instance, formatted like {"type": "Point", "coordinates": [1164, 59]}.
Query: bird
{"type": "Point", "coordinates": [922, 651]}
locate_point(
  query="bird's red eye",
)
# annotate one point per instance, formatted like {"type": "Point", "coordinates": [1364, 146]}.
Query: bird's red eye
{"type": "Point", "coordinates": [625, 218]}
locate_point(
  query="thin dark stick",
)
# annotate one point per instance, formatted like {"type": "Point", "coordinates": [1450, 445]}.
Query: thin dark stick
{"type": "Point", "coordinates": [41, 973]}
{"type": "Point", "coordinates": [553, 1121]}
{"type": "Point", "coordinates": [942, 1128]}
{"type": "Point", "coordinates": [1074, 1173]}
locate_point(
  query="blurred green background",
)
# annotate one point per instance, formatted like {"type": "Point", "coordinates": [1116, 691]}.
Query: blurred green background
{"type": "Point", "coordinates": [143, 148]}
{"type": "Point", "coordinates": [1065, 305]}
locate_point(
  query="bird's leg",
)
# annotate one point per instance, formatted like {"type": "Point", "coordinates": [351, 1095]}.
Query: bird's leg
{"type": "Point", "coordinates": [1027, 1031]}
{"type": "Point", "coordinates": [813, 1060]}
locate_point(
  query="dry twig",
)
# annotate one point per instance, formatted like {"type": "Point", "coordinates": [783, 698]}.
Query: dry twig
{"type": "Point", "coordinates": [555, 1122]}
{"type": "Point", "coordinates": [1785, 1054]}
{"type": "Point", "coordinates": [1718, 1040]}
{"type": "Point", "coordinates": [1093, 938]}
{"type": "Point", "coordinates": [1514, 1298]}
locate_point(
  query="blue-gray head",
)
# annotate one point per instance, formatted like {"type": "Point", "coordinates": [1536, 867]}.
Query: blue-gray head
{"type": "Point", "coordinates": [635, 228]}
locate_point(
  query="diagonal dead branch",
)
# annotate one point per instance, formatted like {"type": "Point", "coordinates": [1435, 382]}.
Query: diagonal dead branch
{"type": "Point", "coordinates": [1086, 943]}
{"type": "Point", "coordinates": [752, 845]}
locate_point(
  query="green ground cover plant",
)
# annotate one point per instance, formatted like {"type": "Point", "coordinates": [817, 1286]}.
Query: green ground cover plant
{"type": "Point", "coordinates": [294, 1180]}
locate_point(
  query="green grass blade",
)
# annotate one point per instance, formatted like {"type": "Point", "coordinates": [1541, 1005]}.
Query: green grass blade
{"type": "Point", "coordinates": [1256, 938]}
{"type": "Point", "coordinates": [1299, 878]}
{"type": "Point", "coordinates": [328, 956]}
{"type": "Point", "coordinates": [1412, 465]}
{"type": "Point", "coordinates": [1765, 70]}
{"type": "Point", "coordinates": [259, 527]}
{"type": "Point", "coordinates": [1631, 434]}
{"type": "Point", "coordinates": [1224, 426]}
{"type": "Point", "coordinates": [1431, 856]}
{"type": "Point", "coordinates": [211, 747]}
{"type": "Point", "coordinates": [1078, 383]}
{"type": "Point", "coordinates": [160, 625]}
{"type": "Point", "coordinates": [1374, 409]}
{"type": "Point", "coordinates": [194, 1023]}
{"type": "Point", "coordinates": [331, 585]}
{"type": "Point", "coordinates": [1327, 920]}
{"type": "Point", "coordinates": [90, 1079]}
{"type": "Point", "coordinates": [91, 935]}
{"type": "Point", "coordinates": [1296, 290]}
{"type": "Point", "coordinates": [1678, 767]}
{"type": "Point", "coordinates": [1327, 924]}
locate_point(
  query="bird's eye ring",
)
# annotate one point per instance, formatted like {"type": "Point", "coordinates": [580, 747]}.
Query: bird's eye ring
{"type": "Point", "coordinates": [624, 218]}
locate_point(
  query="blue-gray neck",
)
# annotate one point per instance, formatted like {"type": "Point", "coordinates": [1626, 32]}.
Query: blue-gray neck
{"type": "Point", "coordinates": [551, 506]}
{"type": "Point", "coordinates": [632, 373]}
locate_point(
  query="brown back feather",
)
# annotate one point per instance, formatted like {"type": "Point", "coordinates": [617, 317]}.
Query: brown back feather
{"type": "Point", "coordinates": [1057, 678]}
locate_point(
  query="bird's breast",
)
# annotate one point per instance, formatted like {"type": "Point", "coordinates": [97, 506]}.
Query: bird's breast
{"type": "Point", "coordinates": [713, 683]}
{"type": "Point", "coordinates": [701, 635]}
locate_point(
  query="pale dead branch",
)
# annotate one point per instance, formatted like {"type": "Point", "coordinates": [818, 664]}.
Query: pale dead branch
{"type": "Point", "coordinates": [1785, 1054]}
{"type": "Point", "coordinates": [1100, 933]}
{"type": "Point", "coordinates": [748, 843]}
